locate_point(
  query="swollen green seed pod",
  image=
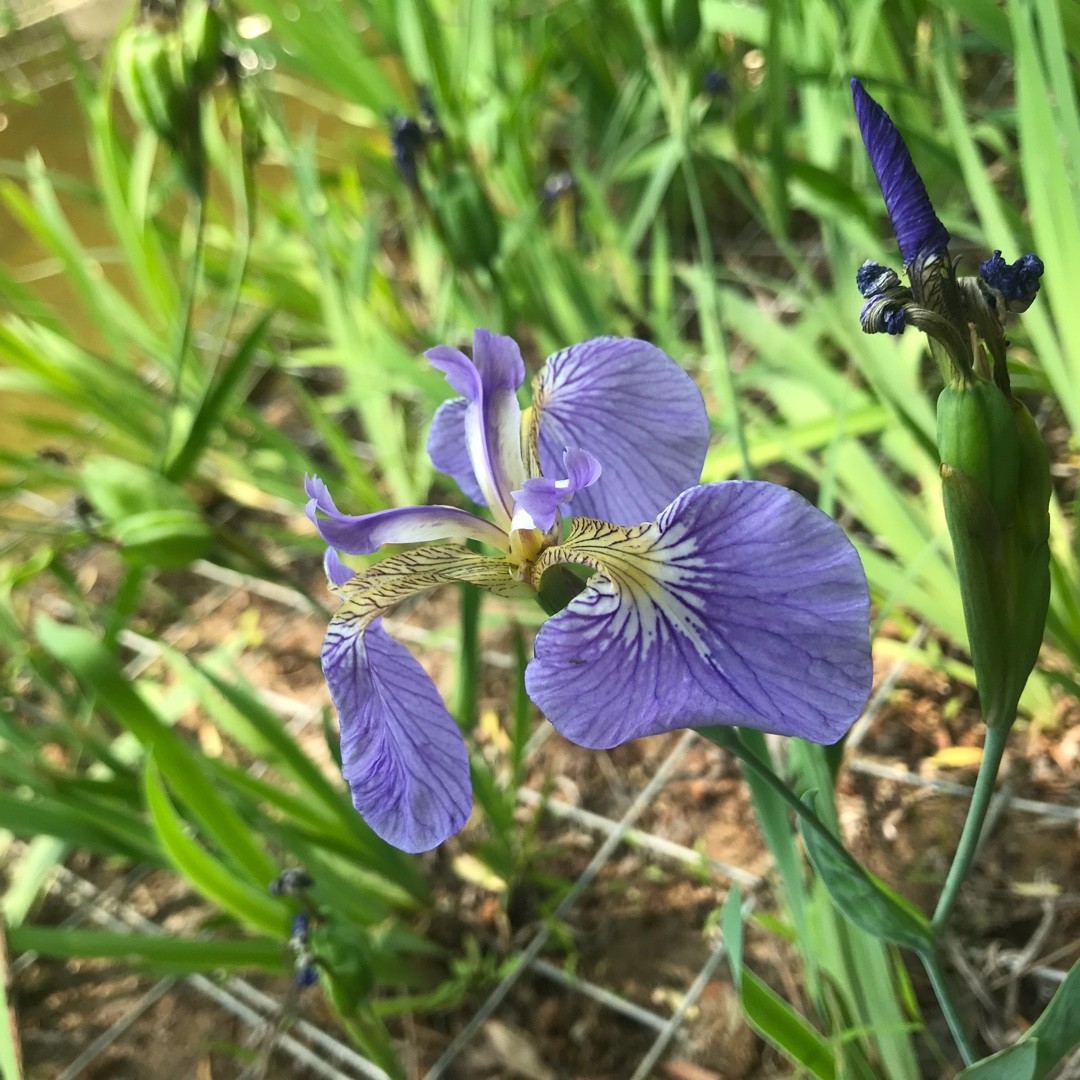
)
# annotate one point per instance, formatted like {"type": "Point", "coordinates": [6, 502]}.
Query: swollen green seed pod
{"type": "Point", "coordinates": [202, 32]}
{"type": "Point", "coordinates": [682, 19]}
{"type": "Point", "coordinates": [147, 80]}
{"type": "Point", "coordinates": [977, 436]}
{"type": "Point", "coordinates": [1033, 488]}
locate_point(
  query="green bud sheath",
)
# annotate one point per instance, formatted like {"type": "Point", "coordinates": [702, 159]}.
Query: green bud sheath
{"type": "Point", "coordinates": [996, 489]}
{"type": "Point", "coordinates": [977, 436]}
{"type": "Point", "coordinates": [202, 31]}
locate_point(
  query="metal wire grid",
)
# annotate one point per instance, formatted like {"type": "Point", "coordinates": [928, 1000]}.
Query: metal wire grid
{"type": "Point", "coordinates": [323, 1053]}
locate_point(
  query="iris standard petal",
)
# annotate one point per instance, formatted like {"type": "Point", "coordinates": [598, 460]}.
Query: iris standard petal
{"type": "Point", "coordinates": [742, 604]}
{"type": "Point", "coordinates": [364, 533]}
{"type": "Point", "coordinates": [538, 500]}
{"type": "Point", "coordinates": [492, 417]}
{"type": "Point", "coordinates": [402, 753]}
{"type": "Point", "coordinates": [633, 407]}
{"type": "Point", "coordinates": [449, 450]}
{"type": "Point", "coordinates": [918, 230]}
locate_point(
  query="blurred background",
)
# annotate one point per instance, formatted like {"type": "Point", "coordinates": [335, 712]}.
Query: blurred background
{"type": "Point", "coordinates": [217, 278]}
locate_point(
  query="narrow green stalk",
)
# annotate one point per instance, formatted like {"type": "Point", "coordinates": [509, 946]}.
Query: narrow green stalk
{"type": "Point", "coordinates": [932, 963]}
{"type": "Point", "coordinates": [997, 735]}
{"type": "Point", "coordinates": [197, 220]}
{"type": "Point", "coordinates": [468, 657]}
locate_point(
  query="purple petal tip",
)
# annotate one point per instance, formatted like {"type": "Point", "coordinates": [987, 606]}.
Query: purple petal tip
{"type": "Point", "coordinates": [918, 230]}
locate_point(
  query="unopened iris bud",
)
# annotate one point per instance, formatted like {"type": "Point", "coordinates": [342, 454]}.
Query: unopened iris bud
{"type": "Point", "coordinates": [406, 142]}
{"type": "Point", "coordinates": [1018, 282]}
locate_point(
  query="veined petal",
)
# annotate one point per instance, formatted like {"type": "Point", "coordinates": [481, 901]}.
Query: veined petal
{"type": "Point", "coordinates": [491, 420]}
{"type": "Point", "coordinates": [537, 503]}
{"type": "Point", "coordinates": [363, 533]}
{"type": "Point", "coordinates": [918, 230]}
{"type": "Point", "coordinates": [633, 407]}
{"type": "Point", "coordinates": [449, 450]}
{"type": "Point", "coordinates": [402, 754]}
{"type": "Point", "coordinates": [742, 604]}
{"type": "Point", "coordinates": [401, 751]}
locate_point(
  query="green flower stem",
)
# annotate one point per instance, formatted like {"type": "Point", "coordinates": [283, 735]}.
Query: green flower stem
{"type": "Point", "coordinates": [997, 735]}
{"type": "Point", "coordinates": [932, 963]}
{"type": "Point", "coordinates": [197, 221]}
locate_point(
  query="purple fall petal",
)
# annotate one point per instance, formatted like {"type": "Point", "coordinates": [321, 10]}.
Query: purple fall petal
{"type": "Point", "coordinates": [402, 754]}
{"type": "Point", "coordinates": [537, 502]}
{"type": "Point", "coordinates": [918, 231]}
{"type": "Point", "coordinates": [633, 407]}
{"type": "Point", "coordinates": [742, 604]}
{"type": "Point", "coordinates": [364, 533]}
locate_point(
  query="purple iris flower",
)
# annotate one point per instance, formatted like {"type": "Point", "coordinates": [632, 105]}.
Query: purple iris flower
{"type": "Point", "coordinates": [918, 231]}
{"type": "Point", "coordinates": [727, 603]}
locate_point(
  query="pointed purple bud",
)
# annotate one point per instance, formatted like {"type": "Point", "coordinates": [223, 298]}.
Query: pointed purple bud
{"type": "Point", "coordinates": [918, 231]}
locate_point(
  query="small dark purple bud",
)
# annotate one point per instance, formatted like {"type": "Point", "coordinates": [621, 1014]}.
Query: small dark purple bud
{"type": "Point", "coordinates": [406, 142]}
{"type": "Point", "coordinates": [715, 83]}
{"type": "Point", "coordinates": [918, 231]}
{"type": "Point", "coordinates": [883, 315]}
{"type": "Point", "coordinates": [1017, 282]}
{"type": "Point", "coordinates": [299, 926]}
{"type": "Point", "coordinates": [306, 976]}
{"type": "Point", "coordinates": [872, 278]}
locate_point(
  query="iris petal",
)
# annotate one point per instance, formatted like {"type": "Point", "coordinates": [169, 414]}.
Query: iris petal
{"type": "Point", "coordinates": [364, 533]}
{"type": "Point", "coordinates": [538, 500]}
{"type": "Point", "coordinates": [492, 417]}
{"type": "Point", "coordinates": [632, 406]}
{"type": "Point", "coordinates": [449, 450]}
{"type": "Point", "coordinates": [742, 604]}
{"type": "Point", "coordinates": [402, 753]}
{"type": "Point", "coordinates": [918, 230]}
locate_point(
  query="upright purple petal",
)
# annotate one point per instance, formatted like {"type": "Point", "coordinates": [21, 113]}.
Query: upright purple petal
{"type": "Point", "coordinates": [742, 604]}
{"type": "Point", "coordinates": [402, 754]}
{"type": "Point", "coordinates": [448, 447]}
{"type": "Point", "coordinates": [637, 411]}
{"type": "Point", "coordinates": [363, 533]}
{"type": "Point", "coordinates": [918, 231]}
{"type": "Point", "coordinates": [538, 500]}
{"type": "Point", "coordinates": [491, 419]}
